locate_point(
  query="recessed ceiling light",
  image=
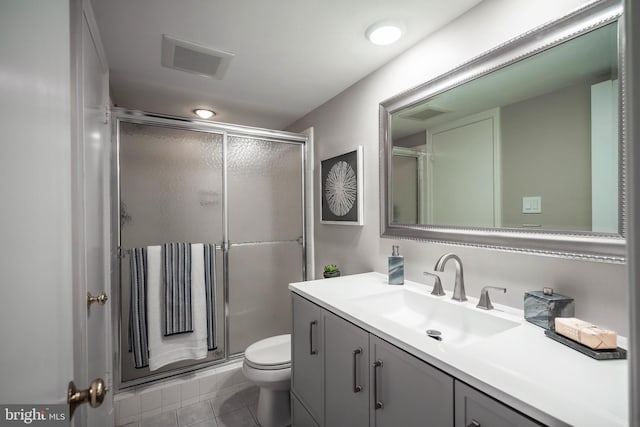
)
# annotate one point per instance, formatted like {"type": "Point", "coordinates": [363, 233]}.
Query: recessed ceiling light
{"type": "Point", "coordinates": [204, 113]}
{"type": "Point", "coordinates": [384, 33]}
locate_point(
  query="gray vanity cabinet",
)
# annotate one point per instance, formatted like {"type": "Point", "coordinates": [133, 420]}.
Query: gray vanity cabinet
{"type": "Point", "coordinates": [307, 376]}
{"type": "Point", "coordinates": [299, 415]}
{"type": "Point", "coordinates": [346, 376]}
{"type": "Point", "coordinates": [406, 391]}
{"type": "Point", "coordinates": [343, 375]}
{"type": "Point", "coordinates": [476, 409]}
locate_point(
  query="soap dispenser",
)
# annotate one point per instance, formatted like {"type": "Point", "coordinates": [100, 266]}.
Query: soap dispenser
{"type": "Point", "coordinates": [396, 267]}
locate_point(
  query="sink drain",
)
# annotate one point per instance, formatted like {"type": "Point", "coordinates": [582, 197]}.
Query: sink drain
{"type": "Point", "coordinates": [435, 334]}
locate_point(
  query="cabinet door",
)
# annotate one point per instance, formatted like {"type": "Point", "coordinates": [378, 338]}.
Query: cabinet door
{"type": "Point", "coordinates": [307, 358]}
{"type": "Point", "coordinates": [475, 409]}
{"type": "Point", "coordinates": [406, 391]}
{"type": "Point", "coordinates": [299, 415]}
{"type": "Point", "coordinates": [346, 370]}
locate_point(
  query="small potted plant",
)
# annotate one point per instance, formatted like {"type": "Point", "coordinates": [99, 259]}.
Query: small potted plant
{"type": "Point", "coordinates": [331, 270]}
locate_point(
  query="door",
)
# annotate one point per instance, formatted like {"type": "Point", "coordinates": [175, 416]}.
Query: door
{"type": "Point", "coordinates": [170, 191]}
{"type": "Point", "coordinates": [463, 172]}
{"type": "Point", "coordinates": [604, 157]}
{"type": "Point", "coordinates": [36, 311]}
{"type": "Point", "coordinates": [307, 350]}
{"type": "Point", "coordinates": [407, 186]}
{"type": "Point", "coordinates": [52, 243]}
{"type": "Point", "coordinates": [265, 223]}
{"type": "Point", "coordinates": [406, 391]}
{"type": "Point", "coordinates": [346, 365]}
{"type": "Point", "coordinates": [91, 222]}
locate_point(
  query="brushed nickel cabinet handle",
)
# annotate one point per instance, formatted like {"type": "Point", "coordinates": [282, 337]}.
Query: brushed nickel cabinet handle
{"type": "Point", "coordinates": [312, 349]}
{"type": "Point", "coordinates": [356, 388]}
{"type": "Point", "coordinates": [377, 402]}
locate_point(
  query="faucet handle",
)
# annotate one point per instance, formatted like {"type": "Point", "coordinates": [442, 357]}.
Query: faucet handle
{"type": "Point", "coordinates": [437, 284]}
{"type": "Point", "coordinates": [485, 301]}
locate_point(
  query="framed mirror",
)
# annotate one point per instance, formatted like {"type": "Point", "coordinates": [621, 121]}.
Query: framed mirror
{"type": "Point", "coordinates": [522, 148]}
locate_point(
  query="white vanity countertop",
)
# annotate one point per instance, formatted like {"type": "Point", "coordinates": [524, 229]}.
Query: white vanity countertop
{"type": "Point", "coordinates": [517, 365]}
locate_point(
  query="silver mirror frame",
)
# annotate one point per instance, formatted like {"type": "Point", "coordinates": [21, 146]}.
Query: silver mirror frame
{"type": "Point", "coordinates": [577, 245]}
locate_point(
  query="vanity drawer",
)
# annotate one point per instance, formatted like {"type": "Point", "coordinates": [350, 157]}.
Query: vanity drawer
{"type": "Point", "coordinates": [476, 409]}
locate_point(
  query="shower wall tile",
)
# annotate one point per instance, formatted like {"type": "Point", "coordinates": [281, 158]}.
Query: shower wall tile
{"type": "Point", "coordinates": [238, 378]}
{"type": "Point", "coordinates": [129, 420]}
{"type": "Point", "coordinates": [149, 414]}
{"type": "Point", "coordinates": [208, 387]}
{"type": "Point", "coordinates": [189, 392]}
{"type": "Point", "coordinates": [128, 409]}
{"type": "Point", "coordinates": [150, 400]}
{"type": "Point", "coordinates": [147, 402]}
{"type": "Point", "coordinates": [171, 397]}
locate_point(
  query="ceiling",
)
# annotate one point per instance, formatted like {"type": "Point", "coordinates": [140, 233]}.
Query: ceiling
{"type": "Point", "coordinates": [291, 56]}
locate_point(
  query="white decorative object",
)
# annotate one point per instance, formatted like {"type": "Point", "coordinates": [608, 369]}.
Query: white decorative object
{"type": "Point", "coordinates": [342, 189]}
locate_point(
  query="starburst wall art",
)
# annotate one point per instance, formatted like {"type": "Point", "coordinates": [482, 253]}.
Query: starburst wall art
{"type": "Point", "coordinates": [342, 189]}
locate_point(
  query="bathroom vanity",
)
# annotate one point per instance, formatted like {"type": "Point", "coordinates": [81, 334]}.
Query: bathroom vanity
{"type": "Point", "coordinates": [361, 356]}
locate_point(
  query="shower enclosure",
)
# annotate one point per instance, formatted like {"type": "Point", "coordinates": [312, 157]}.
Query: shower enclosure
{"type": "Point", "coordinates": [239, 188]}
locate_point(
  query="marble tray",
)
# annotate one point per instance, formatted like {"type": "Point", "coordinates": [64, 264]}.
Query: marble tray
{"type": "Point", "coordinates": [618, 353]}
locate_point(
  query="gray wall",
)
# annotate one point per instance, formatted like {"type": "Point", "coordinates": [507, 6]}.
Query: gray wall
{"type": "Point", "coordinates": [558, 123]}
{"type": "Point", "coordinates": [351, 119]}
{"type": "Point", "coordinates": [411, 141]}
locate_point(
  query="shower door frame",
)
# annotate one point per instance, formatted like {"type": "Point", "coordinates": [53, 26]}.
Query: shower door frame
{"type": "Point", "coordinates": [120, 115]}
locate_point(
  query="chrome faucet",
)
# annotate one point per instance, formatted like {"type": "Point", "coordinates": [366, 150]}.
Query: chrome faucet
{"type": "Point", "coordinates": [485, 301]}
{"type": "Point", "coordinates": [458, 290]}
{"type": "Point", "coordinates": [437, 284]}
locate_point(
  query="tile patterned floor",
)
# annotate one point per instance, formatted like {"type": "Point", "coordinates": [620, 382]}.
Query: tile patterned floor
{"type": "Point", "coordinates": [235, 409]}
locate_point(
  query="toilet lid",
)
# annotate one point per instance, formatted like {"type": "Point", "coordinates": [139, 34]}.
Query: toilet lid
{"type": "Point", "coordinates": [270, 352]}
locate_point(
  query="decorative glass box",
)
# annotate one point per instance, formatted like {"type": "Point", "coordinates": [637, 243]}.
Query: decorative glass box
{"type": "Point", "coordinates": [542, 307]}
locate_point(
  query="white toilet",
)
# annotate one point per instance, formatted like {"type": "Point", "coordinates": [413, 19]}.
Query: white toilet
{"type": "Point", "coordinates": [267, 363]}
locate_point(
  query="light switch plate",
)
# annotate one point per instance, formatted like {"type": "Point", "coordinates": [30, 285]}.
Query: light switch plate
{"type": "Point", "coordinates": [532, 204]}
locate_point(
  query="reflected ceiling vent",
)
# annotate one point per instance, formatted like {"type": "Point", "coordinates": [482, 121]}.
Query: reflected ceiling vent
{"type": "Point", "coordinates": [423, 114]}
{"type": "Point", "coordinates": [193, 58]}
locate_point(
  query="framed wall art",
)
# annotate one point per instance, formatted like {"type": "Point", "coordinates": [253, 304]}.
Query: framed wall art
{"type": "Point", "coordinates": [341, 189]}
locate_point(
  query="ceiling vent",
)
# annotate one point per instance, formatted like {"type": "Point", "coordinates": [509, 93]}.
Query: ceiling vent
{"type": "Point", "coordinates": [423, 115]}
{"type": "Point", "coordinates": [193, 58]}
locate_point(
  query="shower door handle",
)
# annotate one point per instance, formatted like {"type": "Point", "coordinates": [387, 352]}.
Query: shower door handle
{"type": "Point", "coordinates": [312, 349]}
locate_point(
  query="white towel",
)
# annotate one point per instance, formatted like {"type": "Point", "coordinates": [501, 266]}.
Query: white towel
{"type": "Point", "coordinates": [164, 350]}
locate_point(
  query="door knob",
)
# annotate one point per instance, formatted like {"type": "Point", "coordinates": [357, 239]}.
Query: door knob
{"type": "Point", "coordinates": [101, 298]}
{"type": "Point", "coordinates": [94, 394]}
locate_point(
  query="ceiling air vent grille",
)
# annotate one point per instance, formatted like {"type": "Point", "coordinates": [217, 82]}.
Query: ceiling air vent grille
{"type": "Point", "coordinates": [193, 58]}
{"type": "Point", "coordinates": [423, 114]}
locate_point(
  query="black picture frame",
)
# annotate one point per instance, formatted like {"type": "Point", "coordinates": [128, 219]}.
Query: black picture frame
{"type": "Point", "coordinates": [341, 181]}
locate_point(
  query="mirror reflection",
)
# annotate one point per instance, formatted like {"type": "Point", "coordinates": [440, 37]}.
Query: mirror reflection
{"type": "Point", "coordinates": [533, 145]}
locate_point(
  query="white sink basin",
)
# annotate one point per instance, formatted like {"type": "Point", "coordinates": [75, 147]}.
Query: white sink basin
{"type": "Point", "coordinates": [459, 325]}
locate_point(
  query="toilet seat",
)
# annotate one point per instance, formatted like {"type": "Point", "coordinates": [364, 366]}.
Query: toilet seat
{"type": "Point", "coordinates": [271, 353]}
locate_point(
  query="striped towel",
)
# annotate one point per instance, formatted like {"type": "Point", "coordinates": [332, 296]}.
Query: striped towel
{"type": "Point", "coordinates": [176, 278]}
{"type": "Point", "coordinates": [165, 350]}
{"type": "Point", "coordinates": [138, 308]}
{"type": "Point", "coordinates": [210, 289]}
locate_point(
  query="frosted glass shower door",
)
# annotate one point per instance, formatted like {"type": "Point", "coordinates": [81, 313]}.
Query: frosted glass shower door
{"type": "Point", "coordinates": [265, 231]}
{"type": "Point", "coordinates": [170, 191]}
